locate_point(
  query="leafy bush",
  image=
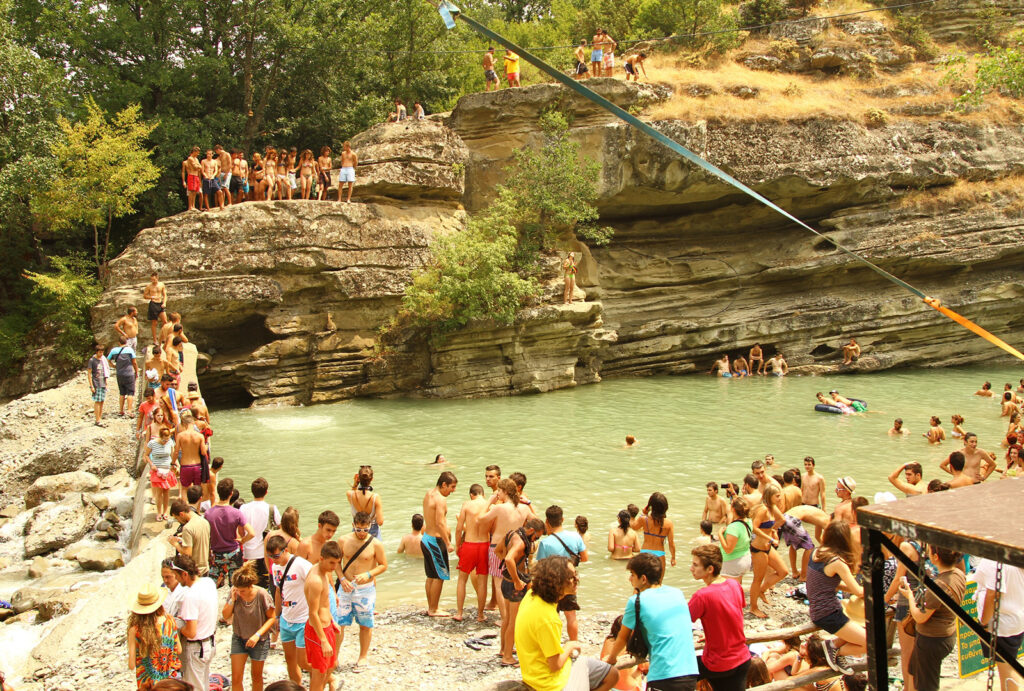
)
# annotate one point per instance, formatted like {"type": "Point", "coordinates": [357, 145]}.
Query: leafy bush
{"type": "Point", "coordinates": [1000, 69]}
{"type": "Point", "coordinates": [13, 330]}
{"type": "Point", "coordinates": [910, 30]}
{"type": "Point", "coordinates": [804, 6]}
{"type": "Point", "coordinates": [761, 12]}
{"type": "Point", "coordinates": [64, 298]}
{"type": "Point", "coordinates": [875, 118]}
{"type": "Point", "coordinates": [987, 26]}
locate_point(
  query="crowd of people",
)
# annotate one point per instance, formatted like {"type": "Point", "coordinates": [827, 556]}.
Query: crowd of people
{"type": "Point", "coordinates": [598, 61]}
{"type": "Point", "coordinates": [223, 177]}
{"type": "Point", "coordinates": [245, 564]}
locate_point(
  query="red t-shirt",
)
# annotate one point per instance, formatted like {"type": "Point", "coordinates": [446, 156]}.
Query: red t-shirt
{"type": "Point", "coordinates": [146, 408]}
{"type": "Point", "coordinates": [719, 607]}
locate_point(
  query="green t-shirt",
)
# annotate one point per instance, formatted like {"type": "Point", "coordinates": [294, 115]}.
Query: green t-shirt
{"type": "Point", "coordinates": [741, 531]}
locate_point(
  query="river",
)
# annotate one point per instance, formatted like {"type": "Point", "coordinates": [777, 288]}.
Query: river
{"type": "Point", "coordinates": [570, 446]}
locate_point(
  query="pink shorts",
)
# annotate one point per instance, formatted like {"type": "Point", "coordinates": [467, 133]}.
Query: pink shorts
{"type": "Point", "coordinates": [493, 563]}
{"type": "Point", "coordinates": [191, 475]}
{"type": "Point", "coordinates": [474, 556]}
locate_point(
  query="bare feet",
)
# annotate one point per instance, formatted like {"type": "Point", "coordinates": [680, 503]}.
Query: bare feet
{"type": "Point", "coordinates": [758, 613]}
{"type": "Point", "coordinates": [440, 614]}
{"type": "Point", "coordinates": [481, 618]}
{"type": "Point", "coordinates": [457, 617]}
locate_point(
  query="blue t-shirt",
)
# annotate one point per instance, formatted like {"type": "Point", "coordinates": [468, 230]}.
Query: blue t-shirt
{"type": "Point", "coordinates": [550, 546]}
{"type": "Point", "coordinates": [669, 631]}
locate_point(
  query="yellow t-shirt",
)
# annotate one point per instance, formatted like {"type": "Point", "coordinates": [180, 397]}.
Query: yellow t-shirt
{"type": "Point", "coordinates": [538, 637]}
{"type": "Point", "coordinates": [511, 63]}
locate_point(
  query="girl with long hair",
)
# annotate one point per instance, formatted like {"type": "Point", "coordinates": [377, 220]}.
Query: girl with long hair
{"type": "Point", "coordinates": [154, 651]}
{"type": "Point", "coordinates": [830, 568]}
{"type": "Point", "coordinates": [362, 498]}
{"type": "Point", "coordinates": [658, 528]}
{"type": "Point", "coordinates": [762, 549]}
{"type": "Point", "coordinates": [623, 541]}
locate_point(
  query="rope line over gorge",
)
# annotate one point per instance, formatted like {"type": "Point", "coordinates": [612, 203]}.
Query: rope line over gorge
{"type": "Point", "coordinates": [449, 12]}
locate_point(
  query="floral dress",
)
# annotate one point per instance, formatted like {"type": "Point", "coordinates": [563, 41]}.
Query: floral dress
{"type": "Point", "coordinates": [161, 663]}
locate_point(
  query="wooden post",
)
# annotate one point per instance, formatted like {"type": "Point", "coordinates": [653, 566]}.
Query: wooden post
{"type": "Point", "coordinates": [872, 568]}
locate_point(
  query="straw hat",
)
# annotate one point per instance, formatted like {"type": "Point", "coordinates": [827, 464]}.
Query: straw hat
{"type": "Point", "coordinates": [854, 609]}
{"type": "Point", "coordinates": [148, 600]}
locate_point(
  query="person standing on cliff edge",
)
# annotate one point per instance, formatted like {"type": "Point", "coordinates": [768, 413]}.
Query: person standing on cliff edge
{"type": "Point", "coordinates": [349, 161]}
{"type": "Point", "coordinates": [156, 293]}
{"type": "Point", "coordinates": [569, 269]}
{"type": "Point", "coordinates": [128, 326]}
{"type": "Point", "coordinates": [436, 540]}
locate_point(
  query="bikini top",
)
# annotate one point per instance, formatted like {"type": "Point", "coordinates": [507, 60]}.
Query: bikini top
{"type": "Point", "coordinates": [646, 525]}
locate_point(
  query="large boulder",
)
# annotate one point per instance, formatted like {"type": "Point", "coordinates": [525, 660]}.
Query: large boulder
{"type": "Point", "coordinates": [50, 528]}
{"type": "Point", "coordinates": [100, 559]}
{"type": "Point", "coordinates": [55, 487]}
{"type": "Point", "coordinates": [410, 160]}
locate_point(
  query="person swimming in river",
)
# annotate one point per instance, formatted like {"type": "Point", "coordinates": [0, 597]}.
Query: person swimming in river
{"type": "Point", "coordinates": [856, 404]}
{"type": "Point", "coordinates": [935, 433]}
{"type": "Point", "coordinates": [985, 390]}
{"type": "Point", "coordinates": [958, 430]}
{"type": "Point", "coordinates": [721, 367]}
{"type": "Point", "coordinates": [825, 400]}
{"type": "Point", "coordinates": [898, 430]}
{"type": "Point", "coordinates": [630, 442]}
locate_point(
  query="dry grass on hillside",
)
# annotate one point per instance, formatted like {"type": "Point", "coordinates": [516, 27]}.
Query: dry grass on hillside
{"type": "Point", "coordinates": [794, 96]}
{"type": "Point", "coordinates": [970, 193]}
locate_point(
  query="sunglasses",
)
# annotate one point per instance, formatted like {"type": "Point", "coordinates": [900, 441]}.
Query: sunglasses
{"type": "Point", "coordinates": [274, 555]}
{"type": "Point", "coordinates": [360, 530]}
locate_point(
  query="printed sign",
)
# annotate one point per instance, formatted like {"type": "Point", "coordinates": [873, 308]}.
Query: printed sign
{"type": "Point", "coordinates": [971, 658]}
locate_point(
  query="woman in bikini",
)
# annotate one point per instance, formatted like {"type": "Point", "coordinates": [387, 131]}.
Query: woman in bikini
{"type": "Point", "coordinates": [569, 269]}
{"type": "Point", "coordinates": [362, 498]}
{"type": "Point", "coordinates": [935, 433]}
{"type": "Point", "coordinates": [958, 431]}
{"type": "Point", "coordinates": [623, 541]}
{"type": "Point", "coordinates": [270, 173]}
{"type": "Point", "coordinates": [306, 173]}
{"type": "Point", "coordinates": [657, 528]}
{"type": "Point", "coordinates": [258, 183]}
{"type": "Point", "coordinates": [323, 172]}
{"type": "Point", "coordinates": [284, 190]}
{"type": "Point", "coordinates": [1014, 461]}
{"type": "Point", "coordinates": [762, 549]}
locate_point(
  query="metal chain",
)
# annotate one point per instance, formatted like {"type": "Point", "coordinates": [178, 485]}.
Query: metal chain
{"type": "Point", "coordinates": [995, 626]}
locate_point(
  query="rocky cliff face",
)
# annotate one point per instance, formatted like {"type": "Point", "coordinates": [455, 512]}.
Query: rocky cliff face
{"type": "Point", "coordinates": [284, 298]}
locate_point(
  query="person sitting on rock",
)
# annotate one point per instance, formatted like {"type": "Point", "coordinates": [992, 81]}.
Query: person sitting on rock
{"type": "Point", "coordinates": [851, 351]}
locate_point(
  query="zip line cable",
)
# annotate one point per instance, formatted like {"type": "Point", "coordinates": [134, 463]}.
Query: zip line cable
{"type": "Point", "coordinates": [673, 37]}
{"type": "Point", "coordinates": [449, 13]}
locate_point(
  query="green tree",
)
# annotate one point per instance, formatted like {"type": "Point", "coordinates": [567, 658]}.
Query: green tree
{"type": "Point", "coordinates": [64, 296]}
{"type": "Point", "coordinates": [688, 17]}
{"type": "Point", "coordinates": [104, 168]}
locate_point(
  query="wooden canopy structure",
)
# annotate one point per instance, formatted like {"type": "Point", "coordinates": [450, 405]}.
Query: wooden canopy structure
{"type": "Point", "coordinates": [982, 520]}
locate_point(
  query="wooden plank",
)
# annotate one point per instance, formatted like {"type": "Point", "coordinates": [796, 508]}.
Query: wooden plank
{"type": "Point", "coordinates": [966, 519]}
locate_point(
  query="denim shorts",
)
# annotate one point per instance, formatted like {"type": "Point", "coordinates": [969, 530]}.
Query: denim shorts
{"type": "Point", "coordinates": [258, 652]}
{"type": "Point", "coordinates": [832, 622]}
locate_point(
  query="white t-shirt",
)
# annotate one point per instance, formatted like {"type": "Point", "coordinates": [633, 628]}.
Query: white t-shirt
{"type": "Point", "coordinates": [200, 605]}
{"type": "Point", "coordinates": [1011, 604]}
{"type": "Point", "coordinates": [257, 514]}
{"type": "Point", "coordinates": [172, 603]}
{"type": "Point", "coordinates": [294, 609]}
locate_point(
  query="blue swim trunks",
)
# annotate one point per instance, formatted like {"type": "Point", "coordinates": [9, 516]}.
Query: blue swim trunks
{"type": "Point", "coordinates": [596, 55]}
{"type": "Point", "coordinates": [435, 558]}
{"type": "Point", "coordinates": [726, 375]}
{"type": "Point", "coordinates": [360, 603]}
{"type": "Point", "coordinates": [655, 552]}
{"type": "Point", "coordinates": [294, 632]}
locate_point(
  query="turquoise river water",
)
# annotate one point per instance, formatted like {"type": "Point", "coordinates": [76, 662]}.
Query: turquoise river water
{"type": "Point", "coordinates": [570, 446]}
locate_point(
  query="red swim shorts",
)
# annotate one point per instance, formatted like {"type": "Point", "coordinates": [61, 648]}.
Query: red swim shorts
{"type": "Point", "coordinates": [315, 654]}
{"type": "Point", "coordinates": [191, 475]}
{"type": "Point", "coordinates": [473, 555]}
{"type": "Point", "coordinates": [193, 183]}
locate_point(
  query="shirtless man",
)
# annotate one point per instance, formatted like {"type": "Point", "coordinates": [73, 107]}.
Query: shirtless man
{"type": "Point", "coordinates": [956, 464]}
{"type": "Point", "coordinates": [792, 494]}
{"type": "Point", "coordinates": [632, 64]}
{"type": "Point", "coordinates": [169, 400]}
{"type": "Point", "coordinates": [757, 356]}
{"type": "Point", "coordinates": [597, 53]}
{"type": "Point", "coordinates": [740, 368]}
{"type": "Point", "coordinates": [978, 463]}
{"type": "Point", "coordinates": [239, 176]}
{"type": "Point", "coordinates": [581, 68]}
{"type": "Point", "coordinates": [410, 544]}
{"type": "Point", "coordinates": [845, 487]}
{"type": "Point", "coordinates": [170, 329]}
{"type": "Point", "coordinates": [154, 362]}
{"type": "Point", "coordinates": [751, 493]}
{"type": "Point", "coordinates": [326, 525]}
{"type": "Point", "coordinates": [898, 430]}
{"type": "Point", "coordinates": [436, 540]}
{"type": "Point", "coordinates": [210, 167]}
{"type": "Point", "coordinates": [935, 433]}
{"type": "Point", "coordinates": [1008, 405]}
{"type": "Point", "coordinates": [190, 177]}
{"type": "Point", "coordinates": [225, 165]}
{"type": "Point", "coordinates": [610, 45]}
{"type": "Point", "coordinates": [721, 367]}
{"type": "Point", "coordinates": [914, 484]}
{"type": "Point", "coordinates": [490, 75]}
{"type": "Point", "coordinates": [321, 631]}
{"type": "Point", "coordinates": [156, 293]}
{"type": "Point", "coordinates": [349, 161]}
{"type": "Point", "coordinates": [472, 541]}
{"type": "Point", "coordinates": [128, 326]}
{"type": "Point", "coordinates": [323, 175]}
{"type": "Point", "coordinates": [778, 365]}
{"type": "Point", "coordinates": [985, 390]}
{"type": "Point", "coordinates": [763, 478]}
{"type": "Point", "coordinates": [812, 485]}
{"type": "Point", "coordinates": [851, 351]}
{"type": "Point", "coordinates": [363, 561]}
{"type": "Point", "coordinates": [716, 509]}
{"type": "Point", "coordinates": [492, 475]}
{"type": "Point", "coordinates": [191, 443]}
